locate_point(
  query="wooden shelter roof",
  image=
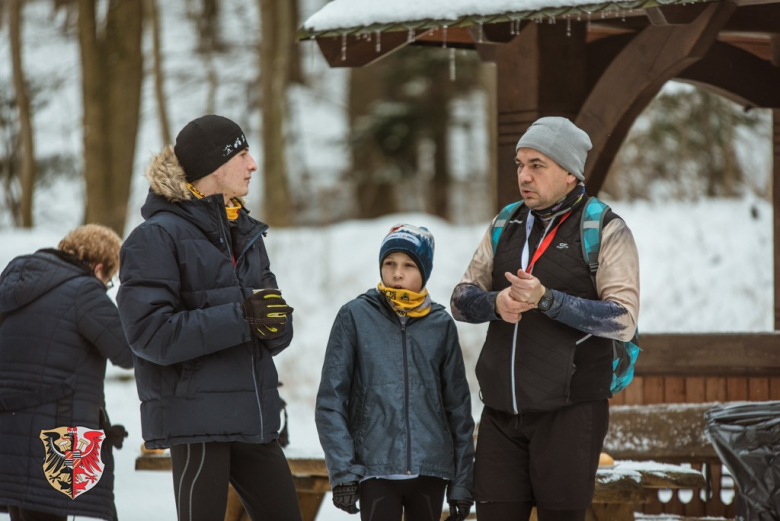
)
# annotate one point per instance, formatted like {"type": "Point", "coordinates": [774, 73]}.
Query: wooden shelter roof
{"type": "Point", "coordinates": [459, 23]}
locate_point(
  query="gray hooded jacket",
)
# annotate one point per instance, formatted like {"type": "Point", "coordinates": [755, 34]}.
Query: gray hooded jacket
{"type": "Point", "coordinates": [394, 399]}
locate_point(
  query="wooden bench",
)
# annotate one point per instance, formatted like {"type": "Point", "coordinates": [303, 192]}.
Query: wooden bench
{"type": "Point", "coordinates": [672, 433]}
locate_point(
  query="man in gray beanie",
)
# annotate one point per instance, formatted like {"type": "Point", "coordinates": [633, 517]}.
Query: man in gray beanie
{"type": "Point", "coordinates": [545, 371]}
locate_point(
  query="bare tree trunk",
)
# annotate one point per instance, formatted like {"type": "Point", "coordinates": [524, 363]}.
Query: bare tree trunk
{"type": "Point", "coordinates": [375, 196]}
{"type": "Point", "coordinates": [112, 69]}
{"type": "Point", "coordinates": [27, 163]}
{"type": "Point", "coordinates": [277, 29]}
{"type": "Point", "coordinates": [159, 78]}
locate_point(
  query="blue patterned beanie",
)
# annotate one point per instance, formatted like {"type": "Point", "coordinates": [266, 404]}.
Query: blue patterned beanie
{"type": "Point", "coordinates": [416, 242]}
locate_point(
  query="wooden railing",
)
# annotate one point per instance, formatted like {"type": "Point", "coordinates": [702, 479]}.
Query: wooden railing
{"type": "Point", "coordinates": [703, 368]}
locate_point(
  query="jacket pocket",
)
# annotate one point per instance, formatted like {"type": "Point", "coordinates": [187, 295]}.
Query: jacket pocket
{"type": "Point", "coordinates": [185, 379]}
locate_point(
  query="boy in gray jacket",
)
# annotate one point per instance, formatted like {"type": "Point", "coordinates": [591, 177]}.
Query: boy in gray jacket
{"type": "Point", "coordinates": [393, 408]}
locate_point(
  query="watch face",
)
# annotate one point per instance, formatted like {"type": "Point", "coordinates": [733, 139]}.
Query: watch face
{"type": "Point", "coordinates": [545, 303]}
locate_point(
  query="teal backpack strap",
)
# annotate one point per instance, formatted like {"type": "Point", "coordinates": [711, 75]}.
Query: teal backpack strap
{"type": "Point", "coordinates": [624, 354]}
{"type": "Point", "coordinates": [503, 217]}
{"type": "Point", "coordinates": [590, 233]}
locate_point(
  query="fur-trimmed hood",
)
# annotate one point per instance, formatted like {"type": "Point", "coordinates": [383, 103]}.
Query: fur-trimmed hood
{"type": "Point", "coordinates": [166, 176]}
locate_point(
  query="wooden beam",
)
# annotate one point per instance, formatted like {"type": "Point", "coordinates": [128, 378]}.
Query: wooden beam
{"type": "Point", "coordinates": [655, 56]}
{"type": "Point", "coordinates": [541, 72]}
{"type": "Point", "coordinates": [674, 14]}
{"type": "Point", "coordinates": [361, 50]}
{"type": "Point", "coordinates": [737, 75]}
{"type": "Point", "coordinates": [776, 208]}
{"type": "Point", "coordinates": [726, 355]}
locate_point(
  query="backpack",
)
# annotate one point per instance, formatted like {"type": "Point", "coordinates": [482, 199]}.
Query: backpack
{"type": "Point", "coordinates": [624, 354]}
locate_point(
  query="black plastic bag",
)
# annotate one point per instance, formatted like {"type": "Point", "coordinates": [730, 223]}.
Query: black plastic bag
{"type": "Point", "coordinates": [747, 440]}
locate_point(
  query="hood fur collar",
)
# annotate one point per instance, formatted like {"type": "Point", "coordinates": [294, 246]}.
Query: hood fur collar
{"type": "Point", "coordinates": [166, 176]}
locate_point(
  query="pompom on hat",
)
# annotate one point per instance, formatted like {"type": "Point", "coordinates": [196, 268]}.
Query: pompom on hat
{"type": "Point", "coordinates": [415, 241]}
{"type": "Point", "coordinates": [560, 140]}
{"type": "Point", "coordinates": [207, 143]}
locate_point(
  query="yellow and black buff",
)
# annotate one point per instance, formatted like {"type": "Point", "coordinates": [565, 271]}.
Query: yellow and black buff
{"type": "Point", "coordinates": [232, 211]}
{"type": "Point", "coordinates": [407, 303]}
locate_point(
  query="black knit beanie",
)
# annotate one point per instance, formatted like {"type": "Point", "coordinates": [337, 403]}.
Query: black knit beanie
{"type": "Point", "coordinates": [207, 143]}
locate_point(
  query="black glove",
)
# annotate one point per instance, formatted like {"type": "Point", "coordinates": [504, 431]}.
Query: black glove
{"type": "Point", "coordinates": [459, 510]}
{"type": "Point", "coordinates": [266, 311]}
{"type": "Point", "coordinates": [345, 497]}
{"type": "Point", "coordinates": [115, 435]}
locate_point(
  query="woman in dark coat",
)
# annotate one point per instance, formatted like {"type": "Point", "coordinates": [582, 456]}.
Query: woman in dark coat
{"type": "Point", "coordinates": [57, 329]}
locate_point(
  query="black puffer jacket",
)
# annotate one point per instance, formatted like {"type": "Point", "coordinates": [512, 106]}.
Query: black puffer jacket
{"type": "Point", "coordinates": [202, 375]}
{"type": "Point", "coordinates": [59, 328]}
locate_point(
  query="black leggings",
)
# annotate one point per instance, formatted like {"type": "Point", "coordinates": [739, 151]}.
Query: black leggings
{"type": "Point", "coordinates": [522, 512]}
{"type": "Point", "coordinates": [258, 472]}
{"type": "Point", "coordinates": [418, 499]}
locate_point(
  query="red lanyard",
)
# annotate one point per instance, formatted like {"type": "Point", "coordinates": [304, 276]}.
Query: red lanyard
{"type": "Point", "coordinates": [546, 242]}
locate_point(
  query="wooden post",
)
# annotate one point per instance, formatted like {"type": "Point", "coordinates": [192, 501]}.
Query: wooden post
{"type": "Point", "coordinates": [776, 208]}
{"type": "Point", "coordinates": [541, 72]}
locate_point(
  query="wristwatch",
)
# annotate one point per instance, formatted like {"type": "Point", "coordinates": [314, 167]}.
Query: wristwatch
{"type": "Point", "coordinates": [546, 302]}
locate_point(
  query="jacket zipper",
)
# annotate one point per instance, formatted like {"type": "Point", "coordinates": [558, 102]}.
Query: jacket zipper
{"type": "Point", "coordinates": [222, 236]}
{"type": "Point", "coordinates": [230, 253]}
{"type": "Point", "coordinates": [512, 376]}
{"type": "Point", "coordinates": [406, 404]}
{"type": "Point", "coordinates": [257, 396]}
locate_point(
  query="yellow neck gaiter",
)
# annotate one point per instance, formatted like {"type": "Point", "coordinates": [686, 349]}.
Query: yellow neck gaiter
{"type": "Point", "coordinates": [232, 211]}
{"type": "Point", "coordinates": [407, 303]}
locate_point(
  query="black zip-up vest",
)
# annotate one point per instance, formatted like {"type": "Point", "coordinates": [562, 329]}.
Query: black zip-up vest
{"type": "Point", "coordinates": [546, 365]}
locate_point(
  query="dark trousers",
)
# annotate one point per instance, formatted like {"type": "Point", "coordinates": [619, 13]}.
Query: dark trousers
{"type": "Point", "coordinates": [543, 459]}
{"type": "Point", "coordinates": [23, 514]}
{"type": "Point", "coordinates": [258, 472]}
{"type": "Point", "coordinates": [418, 499]}
{"type": "Point", "coordinates": [522, 512]}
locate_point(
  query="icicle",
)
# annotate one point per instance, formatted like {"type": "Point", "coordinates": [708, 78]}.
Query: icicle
{"type": "Point", "coordinates": [311, 54]}
{"type": "Point", "coordinates": [378, 41]}
{"type": "Point", "coordinates": [568, 25]}
{"type": "Point", "coordinates": [512, 27]}
{"type": "Point", "coordinates": [602, 15]}
{"type": "Point", "coordinates": [343, 47]}
{"type": "Point", "coordinates": [623, 17]}
{"type": "Point", "coordinates": [479, 33]}
{"type": "Point", "coordinates": [444, 37]}
{"type": "Point", "coordinates": [579, 17]}
{"type": "Point", "coordinates": [452, 63]}
{"type": "Point", "coordinates": [410, 36]}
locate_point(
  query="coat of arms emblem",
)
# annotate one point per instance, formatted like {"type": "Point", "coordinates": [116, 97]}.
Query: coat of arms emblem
{"type": "Point", "coordinates": [72, 463]}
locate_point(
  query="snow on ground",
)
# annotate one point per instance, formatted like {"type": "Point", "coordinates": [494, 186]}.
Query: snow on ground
{"type": "Point", "coordinates": [706, 267]}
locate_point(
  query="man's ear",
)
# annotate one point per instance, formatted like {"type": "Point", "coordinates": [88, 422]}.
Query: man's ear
{"type": "Point", "coordinates": [99, 270]}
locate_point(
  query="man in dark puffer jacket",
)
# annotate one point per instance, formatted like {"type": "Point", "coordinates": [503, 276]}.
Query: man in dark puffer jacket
{"type": "Point", "coordinates": [58, 330]}
{"type": "Point", "coordinates": [203, 316]}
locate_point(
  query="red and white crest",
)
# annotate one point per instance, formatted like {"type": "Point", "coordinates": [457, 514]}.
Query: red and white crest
{"type": "Point", "coordinates": [72, 464]}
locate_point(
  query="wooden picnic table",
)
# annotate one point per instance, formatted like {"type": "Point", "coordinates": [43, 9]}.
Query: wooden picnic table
{"type": "Point", "coordinates": [619, 489]}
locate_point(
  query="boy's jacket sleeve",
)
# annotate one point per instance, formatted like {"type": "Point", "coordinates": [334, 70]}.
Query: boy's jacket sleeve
{"type": "Point", "coordinates": [331, 414]}
{"type": "Point", "coordinates": [456, 399]}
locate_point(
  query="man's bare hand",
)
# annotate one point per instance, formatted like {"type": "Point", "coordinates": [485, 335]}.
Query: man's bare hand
{"type": "Point", "coordinates": [525, 287]}
{"type": "Point", "coordinates": [509, 309]}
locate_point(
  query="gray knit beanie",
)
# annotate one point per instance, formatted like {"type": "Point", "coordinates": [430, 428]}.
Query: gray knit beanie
{"type": "Point", "coordinates": [560, 140]}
